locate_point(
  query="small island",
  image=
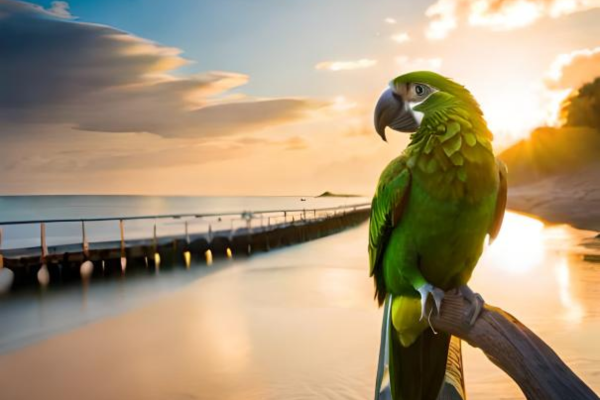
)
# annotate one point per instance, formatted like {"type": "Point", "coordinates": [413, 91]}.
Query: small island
{"type": "Point", "coordinates": [330, 194]}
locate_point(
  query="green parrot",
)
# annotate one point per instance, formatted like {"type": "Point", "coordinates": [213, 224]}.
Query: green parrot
{"type": "Point", "coordinates": [433, 208]}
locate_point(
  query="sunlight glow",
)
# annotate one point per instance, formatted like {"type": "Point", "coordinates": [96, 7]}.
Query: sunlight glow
{"type": "Point", "coordinates": [401, 37]}
{"type": "Point", "coordinates": [517, 108]}
{"type": "Point", "coordinates": [520, 245]}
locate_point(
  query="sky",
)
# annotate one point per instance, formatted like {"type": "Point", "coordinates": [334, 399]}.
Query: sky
{"type": "Point", "coordinates": [262, 97]}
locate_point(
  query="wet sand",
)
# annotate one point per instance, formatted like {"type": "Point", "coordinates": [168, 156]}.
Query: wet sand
{"type": "Point", "coordinates": [300, 323]}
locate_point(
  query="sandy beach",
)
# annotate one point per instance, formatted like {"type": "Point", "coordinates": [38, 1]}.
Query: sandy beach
{"type": "Point", "coordinates": [572, 198]}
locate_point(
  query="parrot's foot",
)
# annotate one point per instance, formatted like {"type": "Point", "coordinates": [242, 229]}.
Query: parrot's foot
{"type": "Point", "coordinates": [476, 301]}
{"type": "Point", "coordinates": [436, 293]}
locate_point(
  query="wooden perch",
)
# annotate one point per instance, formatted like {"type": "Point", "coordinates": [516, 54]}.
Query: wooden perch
{"type": "Point", "coordinates": [515, 349]}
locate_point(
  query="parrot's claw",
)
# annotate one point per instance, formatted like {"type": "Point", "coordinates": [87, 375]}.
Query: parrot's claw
{"type": "Point", "coordinates": [436, 293]}
{"type": "Point", "coordinates": [476, 301]}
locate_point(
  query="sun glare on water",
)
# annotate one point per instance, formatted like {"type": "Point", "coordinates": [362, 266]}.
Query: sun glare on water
{"type": "Point", "coordinates": [520, 245]}
{"type": "Point", "coordinates": [537, 263]}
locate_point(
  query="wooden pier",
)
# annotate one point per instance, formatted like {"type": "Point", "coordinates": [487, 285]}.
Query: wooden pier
{"type": "Point", "coordinates": [261, 231]}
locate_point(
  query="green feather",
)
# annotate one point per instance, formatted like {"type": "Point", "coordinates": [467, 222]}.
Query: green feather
{"type": "Point", "coordinates": [452, 146]}
{"type": "Point", "coordinates": [431, 142]}
{"type": "Point", "coordinates": [457, 159]}
{"type": "Point", "coordinates": [470, 139]}
{"type": "Point", "coordinates": [451, 129]}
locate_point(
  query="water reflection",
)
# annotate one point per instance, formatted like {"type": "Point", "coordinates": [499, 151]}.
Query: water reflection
{"type": "Point", "coordinates": [533, 261]}
{"type": "Point", "coordinates": [520, 246]}
{"type": "Point", "coordinates": [187, 257]}
{"type": "Point", "coordinates": [573, 310]}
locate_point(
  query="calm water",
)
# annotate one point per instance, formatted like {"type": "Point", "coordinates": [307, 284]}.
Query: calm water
{"type": "Point", "coordinates": [27, 208]}
{"type": "Point", "coordinates": [295, 323]}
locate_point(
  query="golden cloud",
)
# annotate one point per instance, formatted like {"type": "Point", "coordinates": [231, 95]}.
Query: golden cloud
{"type": "Point", "coordinates": [572, 70]}
{"type": "Point", "coordinates": [497, 14]}
{"type": "Point", "coordinates": [346, 65]}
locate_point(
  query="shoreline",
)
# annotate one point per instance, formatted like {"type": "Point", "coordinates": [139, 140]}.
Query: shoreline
{"type": "Point", "coordinates": [572, 198]}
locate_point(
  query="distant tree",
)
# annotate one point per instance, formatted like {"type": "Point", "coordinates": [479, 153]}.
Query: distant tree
{"type": "Point", "coordinates": [583, 108]}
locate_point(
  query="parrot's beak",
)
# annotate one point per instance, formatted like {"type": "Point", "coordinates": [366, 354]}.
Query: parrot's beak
{"type": "Point", "coordinates": [391, 110]}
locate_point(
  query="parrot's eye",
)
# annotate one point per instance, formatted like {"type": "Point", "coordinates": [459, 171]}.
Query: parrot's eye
{"type": "Point", "coordinates": [422, 90]}
{"type": "Point", "coordinates": [418, 92]}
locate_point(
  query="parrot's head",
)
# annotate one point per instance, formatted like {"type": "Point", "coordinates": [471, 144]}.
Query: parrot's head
{"type": "Point", "coordinates": [410, 97]}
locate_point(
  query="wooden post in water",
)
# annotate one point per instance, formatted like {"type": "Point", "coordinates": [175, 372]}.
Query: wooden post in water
{"type": "Point", "coordinates": [514, 348]}
{"type": "Point", "coordinates": [43, 275]}
{"type": "Point", "coordinates": [155, 248]}
{"type": "Point", "coordinates": [87, 267]}
{"type": "Point", "coordinates": [1, 257]}
{"type": "Point", "coordinates": [7, 276]}
{"type": "Point", "coordinates": [85, 246]}
{"type": "Point", "coordinates": [123, 254]}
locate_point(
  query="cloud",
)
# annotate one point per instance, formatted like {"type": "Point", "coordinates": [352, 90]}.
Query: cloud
{"type": "Point", "coordinates": [341, 103]}
{"type": "Point", "coordinates": [60, 9]}
{"type": "Point", "coordinates": [295, 143]}
{"type": "Point", "coordinates": [408, 64]}
{"type": "Point", "coordinates": [572, 70]}
{"type": "Point", "coordinates": [401, 37]}
{"type": "Point", "coordinates": [346, 65]}
{"type": "Point", "coordinates": [443, 18]}
{"type": "Point", "coordinates": [292, 143]}
{"type": "Point", "coordinates": [94, 77]}
{"type": "Point", "coordinates": [390, 21]}
{"type": "Point", "coordinates": [497, 14]}
{"type": "Point", "coordinates": [567, 73]}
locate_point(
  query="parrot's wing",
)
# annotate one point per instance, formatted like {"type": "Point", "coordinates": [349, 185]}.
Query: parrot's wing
{"type": "Point", "coordinates": [500, 201]}
{"type": "Point", "coordinates": [386, 210]}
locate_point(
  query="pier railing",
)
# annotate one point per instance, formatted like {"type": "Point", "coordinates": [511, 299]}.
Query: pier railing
{"type": "Point", "coordinates": [117, 242]}
{"type": "Point", "coordinates": [181, 224]}
{"type": "Point", "coordinates": [327, 211]}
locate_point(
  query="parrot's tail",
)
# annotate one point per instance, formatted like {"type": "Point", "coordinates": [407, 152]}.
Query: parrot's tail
{"type": "Point", "coordinates": [417, 371]}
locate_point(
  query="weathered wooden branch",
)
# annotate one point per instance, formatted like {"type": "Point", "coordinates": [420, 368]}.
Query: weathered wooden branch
{"type": "Point", "coordinates": [515, 349]}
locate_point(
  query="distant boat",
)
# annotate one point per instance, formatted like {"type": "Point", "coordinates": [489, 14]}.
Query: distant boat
{"type": "Point", "coordinates": [302, 199]}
